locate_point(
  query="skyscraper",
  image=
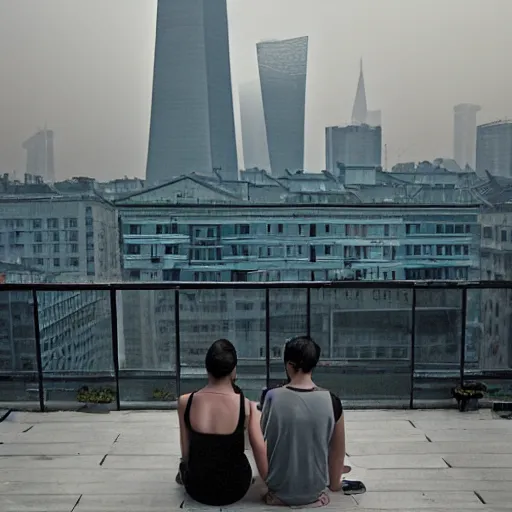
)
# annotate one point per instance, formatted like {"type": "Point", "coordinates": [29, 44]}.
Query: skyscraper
{"type": "Point", "coordinates": [464, 134]}
{"type": "Point", "coordinates": [283, 69]}
{"type": "Point", "coordinates": [357, 144]}
{"type": "Point", "coordinates": [40, 161]}
{"type": "Point", "coordinates": [360, 109]}
{"type": "Point", "coordinates": [494, 148]}
{"type": "Point", "coordinates": [192, 122]}
{"type": "Point", "coordinates": [254, 134]}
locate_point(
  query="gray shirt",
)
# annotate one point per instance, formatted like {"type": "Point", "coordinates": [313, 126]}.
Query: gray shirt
{"type": "Point", "coordinates": [298, 425]}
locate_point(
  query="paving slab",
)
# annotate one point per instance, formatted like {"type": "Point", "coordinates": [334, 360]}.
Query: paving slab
{"type": "Point", "coordinates": [398, 461]}
{"type": "Point", "coordinates": [30, 503]}
{"type": "Point", "coordinates": [497, 498]}
{"type": "Point", "coordinates": [122, 447]}
{"type": "Point", "coordinates": [479, 460]}
{"type": "Point", "coordinates": [53, 449]}
{"type": "Point", "coordinates": [419, 500]}
{"type": "Point", "coordinates": [47, 462]}
{"type": "Point", "coordinates": [141, 462]}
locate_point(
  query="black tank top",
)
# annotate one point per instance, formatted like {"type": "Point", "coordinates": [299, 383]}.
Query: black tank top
{"type": "Point", "coordinates": [218, 470]}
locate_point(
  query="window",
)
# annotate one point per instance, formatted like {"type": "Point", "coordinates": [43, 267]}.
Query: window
{"type": "Point", "coordinates": [488, 233]}
{"type": "Point", "coordinates": [503, 235]}
{"type": "Point", "coordinates": [135, 229]}
{"type": "Point", "coordinates": [55, 236]}
{"type": "Point", "coordinates": [386, 229]}
{"type": "Point", "coordinates": [74, 248]}
{"type": "Point", "coordinates": [457, 249]}
{"type": "Point", "coordinates": [459, 228]}
{"type": "Point", "coordinates": [439, 250]}
{"type": "Point", "coordinates": [242, 229]}
{"type": "Point", "coordinates": [327, 228]}
{"type": "Point", "coordinates": [38, 237]}
{"type": "Point", "coordinates": [56, 262]}
{"type": "Point", "coordinates": [299, 250]}
{"type": "Point", "coordinates": [417, 250]}
{"type": "Point", "coordinates": [465, 249]}
{"type": "Point", "coordinates": [73, 236]}
{"type": "Point", "coordinates": [37, 249]}
{"type": "Point", "coordinates": [327, 250]}
{"type": "Point", "coordinates": [133, 249]}
{"type": "Point", "coordinates": [449, 229]}
{"type": "Point", "coordinates": [73, 262]}
{"type": "Point", "coordinates": [40, 262]}
{"type": "Point", "coordinates": [302, 229]}
{"type": "Point", "coordinates": [56, 248]}
{"type": "Point", "coordinates": [448, 250]}
{"type": "Point", "coordinates": [408, 250]}
{"type": "Point", "coordinates": [70, 222]}
{"type": "Point", "coordinates": [279, 228]}
{"type": "Point", "coordinates": [53, 223]}
{"type": "Point", "coordinates": [171, 249]}
{"type": "Point", "coordinates": [36, 224]}
{"type": "Point", "coordinates": [20, 223]}
{"type": "Point", "coordinates": [439, 228]}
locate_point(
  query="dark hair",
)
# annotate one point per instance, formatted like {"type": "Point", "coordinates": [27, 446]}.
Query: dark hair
{"type": "Point", "coordinates": [220, 359]}
{"type": "Point", "coordinates": [302, 353]}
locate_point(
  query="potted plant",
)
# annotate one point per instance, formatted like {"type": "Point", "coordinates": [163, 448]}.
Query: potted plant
{"type": "Point", "coordinates": [467, 396]}
{"type": "Point", "coordinates": [97, 399]}
{"type": "Point", "coordinates": [162, 395]}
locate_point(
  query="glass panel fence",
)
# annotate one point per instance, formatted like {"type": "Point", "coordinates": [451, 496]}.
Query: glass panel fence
{"type": "Point", "coordinates": [76, 349]}
{"type": "Point", "coordinates": [147, 348]}
{"type": "Point", "coordinates": [237, 315]}
{"type": "Point", "coordinates": [18, 361]}
{"type": "Point", "coordinates": [365, 337]}
{"type": "Point", "coordinates": [437, 345]}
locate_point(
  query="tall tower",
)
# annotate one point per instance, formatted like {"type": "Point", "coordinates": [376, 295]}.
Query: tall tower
{"type": "Point", "coordinates": [464, 134]}
{"type": "Point", "coordinates": [40, 160]}
{"type": "Point", "coordinates": [254, 134]}
{"type": "Point", "coordinates": [360, 109]}
{"type": "Point", "coordinates": [192, 122]}
{"type": "Point", "coordinates": [283, 70]}
{"type": "Point", "coordinates": [494, 148]}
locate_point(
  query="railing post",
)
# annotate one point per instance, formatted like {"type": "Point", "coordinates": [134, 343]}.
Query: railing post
{"type": "Point", "coordinates": [463, 320]}
{"type": "Point", "coordinates": [39, 357]}
{"type": "Point", "coordinates": [115, 343]}
{"type": "Point", "coordinates": [267, 336]}
{"type": "Point", "coordinates": [308, 311]}
{"type": "Point", "coordinates": [413, 348]}
{"type": "Point", "coordinates": [177, 340]}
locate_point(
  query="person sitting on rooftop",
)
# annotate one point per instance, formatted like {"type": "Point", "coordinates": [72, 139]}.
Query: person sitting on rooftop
{"type": "Point", "coordinates": [214, 468]}
{"type": "Point", "coordinates": [303, 426]}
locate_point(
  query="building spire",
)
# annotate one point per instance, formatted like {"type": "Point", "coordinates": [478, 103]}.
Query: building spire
{"type": "Point", "coordinates": [360, 109]}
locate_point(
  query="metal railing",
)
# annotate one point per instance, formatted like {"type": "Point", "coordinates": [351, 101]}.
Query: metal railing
{"type": "Point", "coordinates": [461, 368]}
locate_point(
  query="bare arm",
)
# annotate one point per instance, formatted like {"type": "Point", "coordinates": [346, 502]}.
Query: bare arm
{"type": "Point", "coordinates": [259, 448]}
{"type": "Point", "coordinates": [337, 455]}
{"type": "Point", "coordinates": [182, 405]}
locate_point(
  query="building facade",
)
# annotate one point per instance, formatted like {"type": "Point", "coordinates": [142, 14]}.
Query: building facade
{"type": "Point", "coordinates": [494, 148]}
{"type": "Point", "coordinates": [355, 145]}
{"type": "Point", "coordinates": [254, 134]}
{"type": "Point", "coordinates": [192, 123]}
{"type": "Point", "coordinates": [40, 158]}
{"type": "Point", "coordinates": [464, 134]}
{"type": "Point", "coordinates": [283, 71]}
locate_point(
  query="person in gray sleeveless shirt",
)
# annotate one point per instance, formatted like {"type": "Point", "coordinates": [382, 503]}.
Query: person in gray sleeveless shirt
{"type": "Point", "coordinates": [304, 429]}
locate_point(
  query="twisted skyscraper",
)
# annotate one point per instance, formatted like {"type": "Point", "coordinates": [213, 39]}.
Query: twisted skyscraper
{"type": "Point", "coordinates": [283, 69]}
{"type": "Point", "coordinates": [192, 122]}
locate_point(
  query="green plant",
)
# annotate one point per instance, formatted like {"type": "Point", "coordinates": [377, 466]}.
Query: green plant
{"type": "Point", "coordinates": [96, 396]}
{"type": "Point", "coordinates": [163, 395]}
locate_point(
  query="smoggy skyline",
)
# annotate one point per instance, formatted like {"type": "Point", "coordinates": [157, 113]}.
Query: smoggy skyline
{"type": "Point", "coordinates": [84, 68]}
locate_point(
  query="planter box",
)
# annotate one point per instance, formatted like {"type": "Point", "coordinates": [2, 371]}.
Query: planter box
{"type": "Point", "coordinates": [502, 410]}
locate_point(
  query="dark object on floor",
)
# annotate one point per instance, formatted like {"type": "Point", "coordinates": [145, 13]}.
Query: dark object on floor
{"type": "Point", "coordinates": [467, 396]}
{"type": "Point", "coordinates": [502, 410]}
{"type": "Point", "coordinates": [353, 487]}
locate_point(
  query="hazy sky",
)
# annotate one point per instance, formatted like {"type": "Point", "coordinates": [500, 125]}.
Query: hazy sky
{"type": "Point", "coordinates": [84, 67]}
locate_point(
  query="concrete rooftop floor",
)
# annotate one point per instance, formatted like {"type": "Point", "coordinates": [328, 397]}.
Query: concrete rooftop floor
{"type": "Point", "coordinates": [127, 461]}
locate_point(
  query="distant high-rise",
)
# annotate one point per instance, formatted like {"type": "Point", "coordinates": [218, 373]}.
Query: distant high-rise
{"type": "Point", "coordinates": [283, 70]}
{"type": "Point", "coordinates": [254, 134]}
{"type": "Point", "coordinates": [464, 134]}
{"type": "Point", "coordinates": [360, 108]}
{"type": "Point", "coordinates": [192, 122]}
{"type": "Point", "coordinates": [40, 161]}
{"type": "Point", "coordinates": [353, 145]}
{"type": "Point", "coordinates": [494, 148]}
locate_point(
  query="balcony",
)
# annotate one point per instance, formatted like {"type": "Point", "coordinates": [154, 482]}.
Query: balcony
{"type": "Point", "coordinates": [384, 344]}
